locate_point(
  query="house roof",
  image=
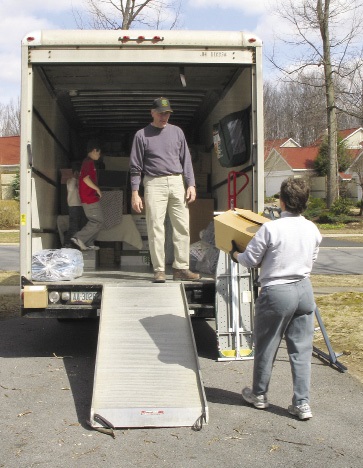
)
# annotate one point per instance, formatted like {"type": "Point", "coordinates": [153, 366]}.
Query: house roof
{"type": "Point", "coordinates": [348, 132]}
{"type": "Point", "coordinates": [354, 153]}
{"type": "Point", "coordinates": [9, 151]}
{"type": "Point", "coordinates": [278, 143]}
{"type": "Point", "coordinates": [345, 176]}
{"type": "Point", "coordinates": [344, 134]}
{"type": "Point", "coordinates": [299, 158]}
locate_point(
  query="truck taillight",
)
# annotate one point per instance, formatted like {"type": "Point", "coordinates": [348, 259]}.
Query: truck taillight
{"type": "Point", "coordinates": [30, 38]}
{"type": "Point", "coordinates": [251, 40]}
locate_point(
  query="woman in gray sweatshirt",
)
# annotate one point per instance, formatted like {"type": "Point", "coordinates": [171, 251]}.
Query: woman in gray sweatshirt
{"type": "Point", "coordinates": [284, 250]}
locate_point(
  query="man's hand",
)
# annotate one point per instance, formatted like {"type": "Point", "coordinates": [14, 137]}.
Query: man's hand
{"type": "Point", "coordinates": [234, 252]}
{"type": "Point", "coordinates": [136, 202]}
{"type": "Point", "coordinates": [191, 194]}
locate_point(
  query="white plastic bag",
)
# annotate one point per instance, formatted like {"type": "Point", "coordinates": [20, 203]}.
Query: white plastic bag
{"type": "Point", "coordinates": [57, 265]}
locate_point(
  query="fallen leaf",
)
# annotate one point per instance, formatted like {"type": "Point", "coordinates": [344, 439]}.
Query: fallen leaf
{"type": "Point", "coordinates": [23, 414]}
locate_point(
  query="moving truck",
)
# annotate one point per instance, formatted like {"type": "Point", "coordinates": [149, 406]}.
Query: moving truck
{"type": "Point", "coordinates": [78, 85]}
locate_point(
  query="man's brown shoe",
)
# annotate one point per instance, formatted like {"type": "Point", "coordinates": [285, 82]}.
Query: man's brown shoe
{"type": "Point", "coordinates": [159, 277]}
{"type": "Point", "coordinates": [185, 275]}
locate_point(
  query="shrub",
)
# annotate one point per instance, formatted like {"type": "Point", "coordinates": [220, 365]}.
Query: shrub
{"type": "Point", "coordinates": [341, 206]}
{"type": "Point", "coordinates": [315, 207]}
{"type": "Point", "coordinates": [9, 214]}
{"type": "Point", "coordinates": [270, 199]}
{"type": "Point", "coordinates": [332, 218]}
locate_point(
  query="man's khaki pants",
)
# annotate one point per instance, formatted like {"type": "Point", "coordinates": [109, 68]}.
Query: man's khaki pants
{"type": "Point", "coordinates": [166, 194]}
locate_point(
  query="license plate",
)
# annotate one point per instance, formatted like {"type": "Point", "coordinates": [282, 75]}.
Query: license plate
{"type": "Point", "coordinates": [83, 297]}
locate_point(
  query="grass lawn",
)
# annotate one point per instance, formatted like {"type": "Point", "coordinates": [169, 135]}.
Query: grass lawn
{"type": "Point", "coordinates": [342, 317]}
{"type": "Point", "coordinates": [9, 237]}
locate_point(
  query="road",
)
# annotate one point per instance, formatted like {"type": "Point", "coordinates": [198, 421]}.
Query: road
{"type": "Point", "coordinates": [9, 257]}
{"type": "Point", "coordinates": [46, 380]}
{"type": "Point", "coordinates": [339, 257]}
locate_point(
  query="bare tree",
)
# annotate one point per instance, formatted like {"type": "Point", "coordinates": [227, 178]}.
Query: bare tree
{"type": "Point", "coordinates": [324, 34]}
{"type": "Point", "coordinates": [10, 118]}
{"type": "Point", "coordinates": [126, 14]}
{"type": "Point", "coordinates": [350, 92]}
{"type": "Point", "coordinates": [295, 110]}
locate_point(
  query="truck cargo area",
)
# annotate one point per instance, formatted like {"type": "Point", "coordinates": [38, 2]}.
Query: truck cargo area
{"type": "Point", "coordinates": [78, 85]}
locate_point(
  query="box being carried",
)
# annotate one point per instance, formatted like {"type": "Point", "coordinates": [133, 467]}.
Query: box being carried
{"type": "Point", "coordinates": [238, 225]}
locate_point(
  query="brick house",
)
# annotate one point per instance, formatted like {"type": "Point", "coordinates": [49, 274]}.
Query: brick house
{"type": "Point", "coordinates": [9, 164]}
{"type": "Point", "coordinates": [285, 158]}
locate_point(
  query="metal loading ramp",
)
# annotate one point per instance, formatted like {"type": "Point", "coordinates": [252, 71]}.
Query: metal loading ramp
{"type": "Point", "coordinates": [147, 372]}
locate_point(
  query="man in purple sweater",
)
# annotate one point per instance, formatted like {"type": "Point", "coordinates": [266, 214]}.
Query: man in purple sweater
{"type": "Point", "coordinates": [160, 153]}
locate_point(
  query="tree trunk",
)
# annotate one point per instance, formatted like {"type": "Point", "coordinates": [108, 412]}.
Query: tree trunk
{"type": "Point", "coordinates": [127, 19]}
{"type": "Point", "coordinates": [333, 185]}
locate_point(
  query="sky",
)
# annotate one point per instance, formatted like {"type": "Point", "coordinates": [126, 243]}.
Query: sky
{"type": "Point", "coordinates": [19, 17]}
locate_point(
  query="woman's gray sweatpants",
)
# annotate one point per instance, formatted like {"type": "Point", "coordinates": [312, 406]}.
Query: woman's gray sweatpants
{"type": "Point", "coordinates": [284, 309]}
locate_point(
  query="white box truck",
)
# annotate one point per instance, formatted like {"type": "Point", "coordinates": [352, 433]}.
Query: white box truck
{"type": "Point", "coordinates": [82, 84]}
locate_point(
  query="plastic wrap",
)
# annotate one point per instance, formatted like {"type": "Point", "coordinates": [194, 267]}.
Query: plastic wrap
{"type": "Point", "coordinates": [203, 257]}
{"type": "Point", "coordinates": [208, 264]}
{"type": "Point", "coordinates": [204, 254]}
{"type": "Point", "coordinates": [57, 265]}
{"type": "Point", "coordinates": [207, 234]}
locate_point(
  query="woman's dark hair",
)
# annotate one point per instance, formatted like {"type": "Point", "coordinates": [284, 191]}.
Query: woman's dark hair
{"type": "Point", "coordinates": [295, 194]}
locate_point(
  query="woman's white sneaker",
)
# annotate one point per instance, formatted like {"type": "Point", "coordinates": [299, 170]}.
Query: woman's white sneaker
{"type": "Point", "coordinates": [258, 401]}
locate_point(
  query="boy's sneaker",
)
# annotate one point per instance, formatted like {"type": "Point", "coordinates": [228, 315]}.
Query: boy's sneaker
{"type": "Point", "coordinates": [258, 401]}
{"type": "Point", "coordinates": [301, 411]}
{"type": "Point", "coordinates": [79, 243]}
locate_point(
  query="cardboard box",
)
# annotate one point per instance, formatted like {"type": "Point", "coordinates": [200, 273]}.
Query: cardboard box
{"type": "Point", "coordinates": [201, 213]}
{"type": "Point", "coordinates": [65, 175]}
{"type": "Point", "coordinates": [35, 297]}
{"type": "Point", "coordinates": [238, 225]}
{"type": "Point", "coordinates": [134, 257]}
{"type": "Point", "coordinates": [89, 259]}
{"type": "Point", "coordinates": [106, 256]}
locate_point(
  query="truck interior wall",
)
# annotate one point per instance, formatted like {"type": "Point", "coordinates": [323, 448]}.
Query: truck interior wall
{"type": "Point", "coordinates": [51, 152]}
{"type": "Point", "coordinates": [236, 99]}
